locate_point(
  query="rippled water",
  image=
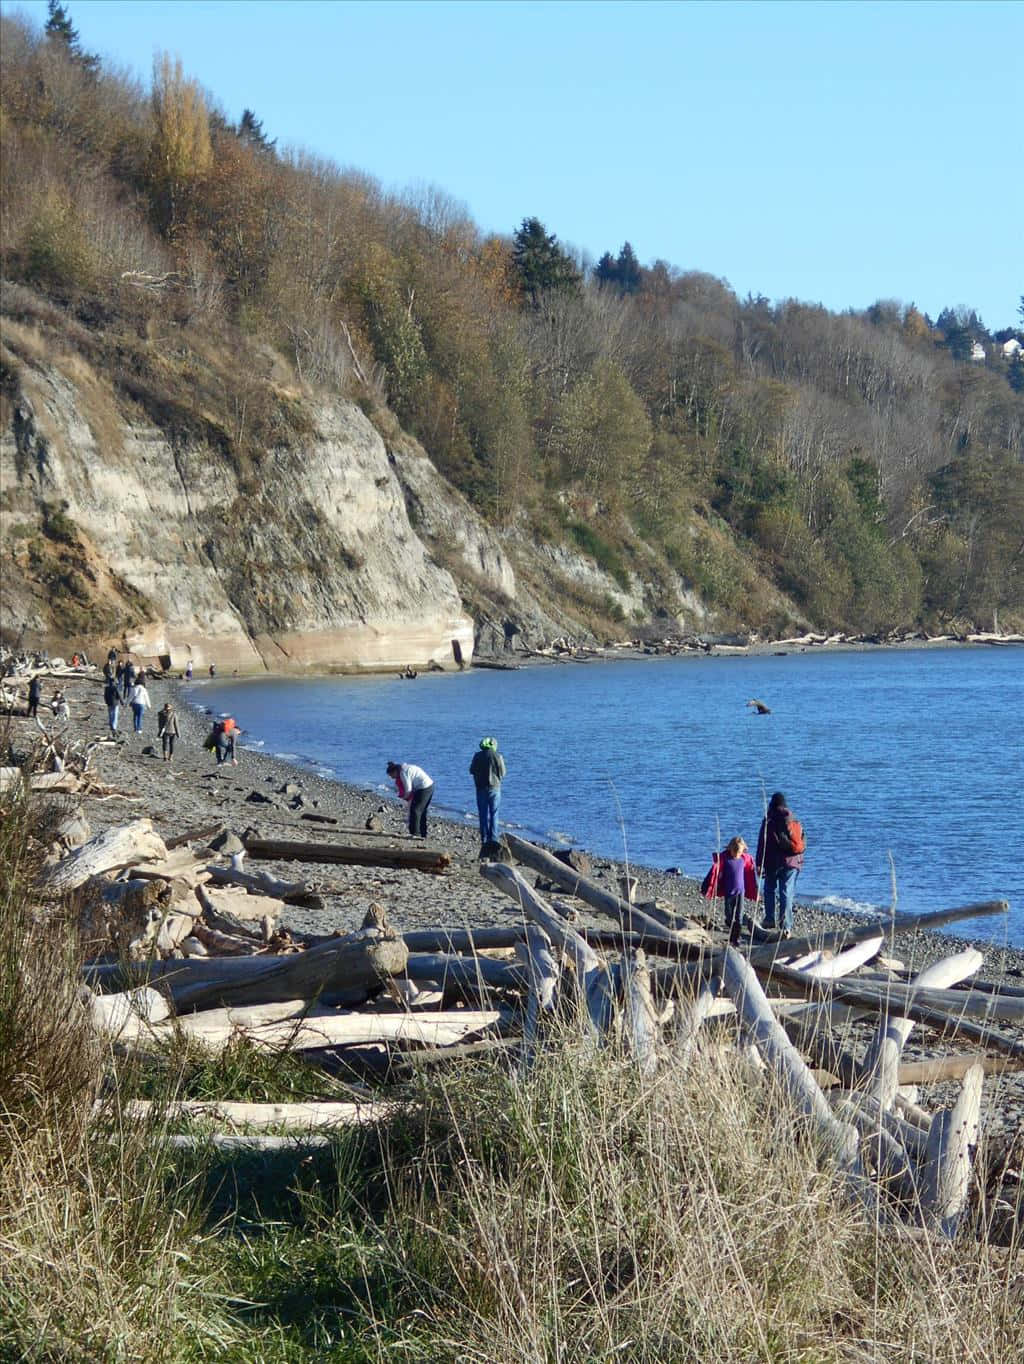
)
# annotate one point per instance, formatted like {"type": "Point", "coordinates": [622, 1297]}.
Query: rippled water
{"type": "Point", "coordinates": [906, 768]}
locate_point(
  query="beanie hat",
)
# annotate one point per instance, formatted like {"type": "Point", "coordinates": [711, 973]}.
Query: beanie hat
{"type": "Point", "coordinates": [777, 802]}
{"type": "Point", "coordinates": [488, 742]}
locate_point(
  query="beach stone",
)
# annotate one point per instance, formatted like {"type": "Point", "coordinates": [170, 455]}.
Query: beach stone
{"type": "Point", "coordinates": [374, 825]}
{"type": "Point", "coordinates": [258, 798]}
{"type": "Point", "coordinates": [290, 788]}
{"type": "Point", "coordinates": [577, 859]}
{"type": "Point", "coordinates": [227, 842]}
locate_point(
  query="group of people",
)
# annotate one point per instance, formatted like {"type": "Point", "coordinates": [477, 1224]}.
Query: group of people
{"type": "Point", "coordinates": [487, 769]}
{"type": "Point", "coordinates": [733, 876]}
{"type": "Point", "coordinates": [58, 701]}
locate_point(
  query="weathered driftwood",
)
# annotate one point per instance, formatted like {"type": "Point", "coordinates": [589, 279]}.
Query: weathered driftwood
{"type": "Point", "coordinates": [764, 956]}
{"type": "Point", "coordinates": [135, 842]}
{"type": "Point", "coordinates": [238, 904]}
{"type": "Point", "coordinates": [881, 1064]}
{"type": "Point", "coordinates": [542, 973]}
{"type": "Point", "coordinates": [299, 1142]}
{"type": "Point", "coordinates": [340, 854]}
{"type": "Point", "coordinates": [116, 1015]}
{"type": "Point", "coordinates": [263, 883]}
{"type": "Point", "coordinates": [947, 1172]}
{"type": "Point", "coordinates": [873, 999]}
{"type": "Point", "coordinates": [941, 1068]}
{"type": "Point", "coordinates": [463, 940]}
{"type": "Point", "coordinates": [834, 967]}
{"type": "Point", "coordinates": [462, 977]}
{"type": "Point", "coordinates": [692, 1011]}
{"type": "Point", "coordinates": [298, 1116]}
{"type": "Point", "coordinates": [759, 1023]}
{"type": "Point", "coordinates": [591, 973]}
{"type": "Point", "coordinates": [888, 1155]}
{"type": "Point", "coordinates": [632, 918]}
{"type": "Point", "coordinates": [641, 1031]}
{"type": "Point", "coordinates": [318, 1027]}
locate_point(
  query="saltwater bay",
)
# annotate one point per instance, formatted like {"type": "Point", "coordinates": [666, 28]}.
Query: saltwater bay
{"type": "Point", "coordinates": [905, 766]}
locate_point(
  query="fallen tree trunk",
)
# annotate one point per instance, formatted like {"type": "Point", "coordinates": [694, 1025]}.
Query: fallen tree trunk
{"type": "Point", "coordinates": [340, 854]}
{"type": "Point", "coordinates": [135, 842]}
{"type": "Point", "coordinates": [263, 883]}
{"type": "Point", "coordinates": [591, 973]}
{"type": "Point", "coordinates": [632, 918]}
{"type": "Point", "coordinates": [947, 1171]}
{"type": "Point", "coordinates": [300, 1116]}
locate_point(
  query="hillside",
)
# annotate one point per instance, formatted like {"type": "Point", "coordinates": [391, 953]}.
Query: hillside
{"type": "Point", "coordinates": [253, 408]}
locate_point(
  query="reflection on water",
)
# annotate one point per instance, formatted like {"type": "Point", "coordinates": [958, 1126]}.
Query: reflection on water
{"type": "Point", "coordinates": [906, 768]}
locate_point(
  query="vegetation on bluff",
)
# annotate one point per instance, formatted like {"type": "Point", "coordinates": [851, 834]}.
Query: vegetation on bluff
{"type": "Point", "coordinates": [868, 465]}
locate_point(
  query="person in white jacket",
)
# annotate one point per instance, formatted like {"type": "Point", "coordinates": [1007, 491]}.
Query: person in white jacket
{"type": "Point", "coordinates": [138, 699]}
{"type": "Point", "coordinates": [417, 787]}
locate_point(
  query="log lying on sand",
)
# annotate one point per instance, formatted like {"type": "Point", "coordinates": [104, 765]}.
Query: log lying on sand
{"type": "Point", "coordinates": [342, 854]}
{"type": "Point", "coordinates": [298, 1116]}
{"type": "Point", "coordinates": [263, 883]}
{"type": "Point", "coordinates": [135, 842]}
{"type": "Point", "coordinates": [765, 955]}
{"type": "Point", "coordinates": [354, 967]}
{"type": "Point", "coordinates": [631, 917]}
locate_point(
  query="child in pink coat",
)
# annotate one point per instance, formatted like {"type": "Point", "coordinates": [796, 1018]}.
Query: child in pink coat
{"type": "Point", "coordinates": [733, 877]}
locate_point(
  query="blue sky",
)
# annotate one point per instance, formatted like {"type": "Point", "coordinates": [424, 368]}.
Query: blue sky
{"type": "Point", "coordinates": [833, 152]}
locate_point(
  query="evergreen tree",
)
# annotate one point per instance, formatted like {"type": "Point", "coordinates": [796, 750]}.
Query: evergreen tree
{"type": "Point", "coordinates": [60, 29]}
{"type": "Point", "coordinates": [250, 130]}
{"type": "Point", "coordinates": [543, 267]}
{"type": "Point", "coordinates": [606, 271]}
{"type": "Point", "coordinates": [630, 272]}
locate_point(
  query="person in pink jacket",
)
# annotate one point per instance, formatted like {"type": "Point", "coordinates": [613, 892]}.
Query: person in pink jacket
{"type": "Point", "coordinates": [733, 878]}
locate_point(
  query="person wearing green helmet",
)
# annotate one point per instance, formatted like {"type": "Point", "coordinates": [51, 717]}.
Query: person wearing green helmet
{"type": "Point", "coordinates": [488, 771]}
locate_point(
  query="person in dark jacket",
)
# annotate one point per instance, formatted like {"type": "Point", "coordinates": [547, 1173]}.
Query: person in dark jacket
{"type": "Point", "coordinates": [167, 728]}
{"type": "Point", "coordinates": [488, 772]}
{"type": "Point", "coordinates": [777, 864]}
{"type": "Point", "coordinates": [112, 699]}
{"type": "Point", "coordinates": [35, 695]}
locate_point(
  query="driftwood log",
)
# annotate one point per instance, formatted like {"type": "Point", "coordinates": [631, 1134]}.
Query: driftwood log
{"type": "Point", "coordinates": [263, 883]}
{"type": "Point", "coordinates": [341, 854]}
{"type": "Point", "coordinates": [115, 848]}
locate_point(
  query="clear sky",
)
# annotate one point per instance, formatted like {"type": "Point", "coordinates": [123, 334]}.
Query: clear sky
{"type": "Point", "coordinates": [833, 152]}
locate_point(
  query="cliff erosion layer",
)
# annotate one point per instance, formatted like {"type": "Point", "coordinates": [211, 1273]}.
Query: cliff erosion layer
{"type": "Point", "coordinates": [115, 530]}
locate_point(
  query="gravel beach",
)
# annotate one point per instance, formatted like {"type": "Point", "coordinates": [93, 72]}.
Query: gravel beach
{"type": "Point", "coordinates": [191, 793]}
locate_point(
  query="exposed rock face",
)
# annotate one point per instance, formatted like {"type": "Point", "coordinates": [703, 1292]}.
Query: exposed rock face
{"type": "Point", "coordinates": [312, 564]}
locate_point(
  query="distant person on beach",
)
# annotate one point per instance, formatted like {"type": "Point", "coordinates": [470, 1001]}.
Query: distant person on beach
{"type": "Point", "coordinates": [138, 699]}
{"type": "Point", "coordinates": [417, 787]}
{"type": "Point", "coordinates": [59, 706]}
{"type": "Point", "coordinates": [188, 671]}
{"type": "Point", "coordinates": [213, 670]}
{"type": "Point", "coordinates": [733, 878]}
{"type": "Point", "coordinates": [112, 700]}
{"type": "Point", "coordinates": [780, 855]}
{"type": "Point", "coordinates": [35, 695]}
{"type": "Point", "coordinates": [128, 679]}
{"type": "Point", "coordinates": [221, 740]}
{"type": "Point", "coordinates": [167, 728]}
{"type": "Point", "coordinates": [487, 769]}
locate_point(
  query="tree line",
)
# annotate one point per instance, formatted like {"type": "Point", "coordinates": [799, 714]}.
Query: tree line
{"type": "Point", "coordinates": [867, 464]}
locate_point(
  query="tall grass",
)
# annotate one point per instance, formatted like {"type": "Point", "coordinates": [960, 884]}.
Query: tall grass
{"type": "Point", "coordinates": [579, 1212]}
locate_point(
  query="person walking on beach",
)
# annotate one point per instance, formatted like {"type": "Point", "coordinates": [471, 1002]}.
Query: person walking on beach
{"type": "Point", "coordinates": [488, 772]}
{"type": "Point", "coordinates": [780, 855]}
{"type": "Point", "coordinates": [35, 695]}
{"type": "Point", "coordinates": [733, 877]}
{"type": "Point", "coordinates": [222, 739]}
{"type": "Point", "coordinates": [112, 700]}
{"type": "Point", "coordinates": [59, 706]}
{"type": "Point", "coordinates": [167, 728]}
{"type": "Point", "coordinates": [128, 679]}
{"type": "Point", "coordinates": [138, 699]}
{"type": "Point", "coordinates": [188, 671]}
{"type": "Point", "coordinates": [417, 787]}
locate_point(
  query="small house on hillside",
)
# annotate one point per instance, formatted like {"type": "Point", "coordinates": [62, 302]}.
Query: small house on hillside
{"type": "Point", "coordinates": [977, 350]}
{"type": "Point", "coordinates": [1011, 348]}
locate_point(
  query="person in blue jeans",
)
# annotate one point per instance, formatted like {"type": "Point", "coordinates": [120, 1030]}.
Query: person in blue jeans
{"type": "Point", "coordinates": [778, 863]}
{"type": "Point", "coordinates": [488, 772]}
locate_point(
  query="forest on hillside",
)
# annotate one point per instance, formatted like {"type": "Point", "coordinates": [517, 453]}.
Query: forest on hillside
{"type": "Point", "coordinates": [870, 465]}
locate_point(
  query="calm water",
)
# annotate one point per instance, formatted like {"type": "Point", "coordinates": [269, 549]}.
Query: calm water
{"type": "Point", "coordinates": [906, 768]}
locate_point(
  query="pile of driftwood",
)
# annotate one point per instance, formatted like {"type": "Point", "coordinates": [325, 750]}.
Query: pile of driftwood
{"type": "Point", "coordinates": [199, 954]}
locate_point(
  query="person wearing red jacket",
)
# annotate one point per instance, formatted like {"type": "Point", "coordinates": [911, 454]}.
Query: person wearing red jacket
{"type": "Point", "coordinates": [733, 878]}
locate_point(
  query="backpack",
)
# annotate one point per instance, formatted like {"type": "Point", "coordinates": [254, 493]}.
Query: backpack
{"type": "Point", "coordinates": [795, 834]}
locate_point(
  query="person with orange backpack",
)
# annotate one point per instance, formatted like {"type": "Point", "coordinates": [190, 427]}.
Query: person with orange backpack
{"type": "Point", "coordinates": [780, 856]}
